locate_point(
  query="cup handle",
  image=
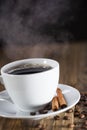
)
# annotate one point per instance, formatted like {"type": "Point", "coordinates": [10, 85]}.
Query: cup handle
{"type": "Point", "coordinates": [5, 97]}
{"type": "Point", "coordinates": [1, 80]}
{"type": "Point", "coordinates": [2, 98]}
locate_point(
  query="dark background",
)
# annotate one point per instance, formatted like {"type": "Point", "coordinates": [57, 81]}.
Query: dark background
{"type": "Point", "coordinates": [42, 21]}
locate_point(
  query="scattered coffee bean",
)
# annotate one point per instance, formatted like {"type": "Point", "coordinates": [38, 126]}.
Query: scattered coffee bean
{"type": "Point", "coordinates": [63, 106]}
{"type": "Point", "coordinates": [48, 106]}
{"type": "Point", "coordinates": [71, 125]}
{"type": "Point", "coordinates": [77, 125]}
{"type": "Point", "coordinates": [43, 111]}
{"type": "Point", "coordinates": [77, 108]}
{"type": "Point", "coordinates": [82, 116]}
{"type": "Point", "coordinates": [76, 114]}
{"type": "Point", "coordinates": [56, 117]}
{"type": "Point", "coordinates": [70, 111]}
{"type": "Point", "coordinates": [40, 126]}
{"type": "Point", "coordinates": [80, 104]}
{"type": "Point", "coordinates": [66, 118]}
{"type": "Point", "coordinates": [32, 113]}
{"type": "Point", "coordinates": [83, 97]}
{"type": "Point", "coordinates": [84, 112]}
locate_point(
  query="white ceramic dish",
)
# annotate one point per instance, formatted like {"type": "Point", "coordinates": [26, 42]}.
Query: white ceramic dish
{"type": "Point", "coordinates": [9, 110]}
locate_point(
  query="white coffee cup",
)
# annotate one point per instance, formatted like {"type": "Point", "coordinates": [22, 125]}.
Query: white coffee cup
{"type": "Point", "coordinates": [30, 92]}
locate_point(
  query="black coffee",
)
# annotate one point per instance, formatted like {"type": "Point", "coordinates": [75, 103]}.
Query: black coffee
{"type": "Point", "coordinates": [29, 70]}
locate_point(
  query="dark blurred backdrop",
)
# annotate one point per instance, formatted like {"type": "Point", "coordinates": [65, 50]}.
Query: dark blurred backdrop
{"type": "Point", "coordinates": [39, 21]}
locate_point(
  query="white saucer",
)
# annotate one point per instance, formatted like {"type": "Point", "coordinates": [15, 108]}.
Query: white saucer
{"type": "Point", "coordinates": [9, 110]}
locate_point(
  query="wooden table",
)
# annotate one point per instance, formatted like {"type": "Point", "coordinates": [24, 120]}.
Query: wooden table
{"type": "Point", "coordinates": [73, 71]}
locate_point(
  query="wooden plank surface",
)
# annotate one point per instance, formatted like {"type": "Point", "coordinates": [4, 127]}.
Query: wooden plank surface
{"type": "Point", "coordinates": [73, 71]}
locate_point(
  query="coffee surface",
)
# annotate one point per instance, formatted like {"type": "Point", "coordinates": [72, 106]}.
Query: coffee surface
{"type": "Point", "coordinates": [29, 69]}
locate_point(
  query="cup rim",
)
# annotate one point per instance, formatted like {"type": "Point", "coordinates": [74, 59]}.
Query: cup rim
{"type": "Point", "coordinates": [52, 62]}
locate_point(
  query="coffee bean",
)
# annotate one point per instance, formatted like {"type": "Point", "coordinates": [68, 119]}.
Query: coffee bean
{"type": "Point", "coordinates": [40, 126]}
{"type": "Point", "coordinates": [48, 106]}
{"type": "Point", "coordinates": [56, 117]}
{"type": "Point", "coordinates": [32, 113]}
{"type": "Point", "coordinates": [76, 114]}
{"type": "Point", "coordinates": [63, 106]}
{"type": "Point", "coordinates": [82, 116]}
{"type": "Point", "coordinates": [79, 103]}
{"type": "Point", "coordinates": [66, 117]}
{"type": "Point", "coordinates": [43, 111]}
{"type": "Point", "coordinates": [83, 97]}
{"type": "Point", "coordinates": [84, 112]}
{"type": "Point", "coordinates": [77, 108]}
{"type": "Point", "coordinates": [70, 111]}
{"type": "Point", "coordinates": [71, 125]}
